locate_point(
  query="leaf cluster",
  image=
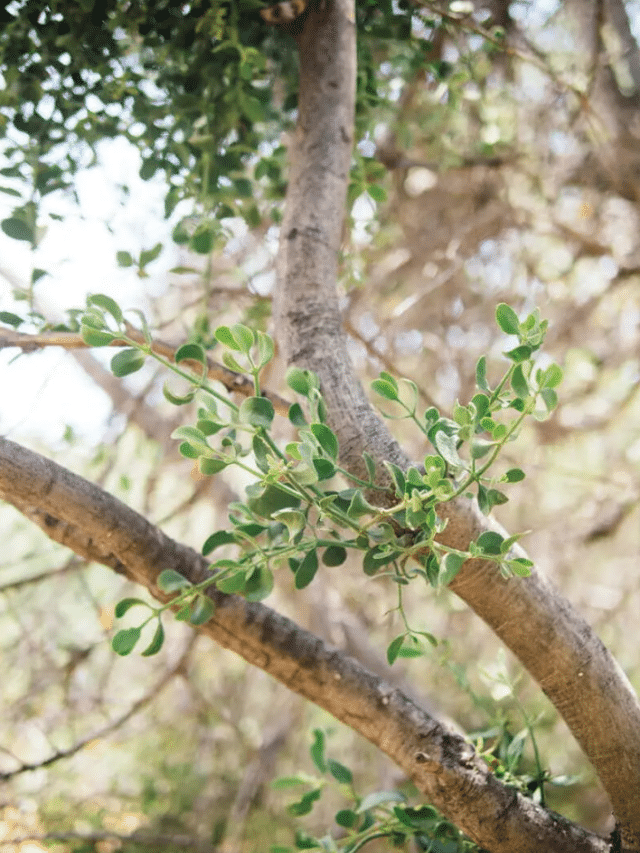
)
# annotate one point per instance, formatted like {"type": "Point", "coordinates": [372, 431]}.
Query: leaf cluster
{"type": "Point", "coordinates": [302, 508]}
{"type": "Point", "coordinates": [379, 814]}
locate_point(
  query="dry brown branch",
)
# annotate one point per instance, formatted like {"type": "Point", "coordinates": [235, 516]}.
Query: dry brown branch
{"type": "Point", "coordinates": [231, 380]}
{"type": "Point", "coordinates": [113, 726]}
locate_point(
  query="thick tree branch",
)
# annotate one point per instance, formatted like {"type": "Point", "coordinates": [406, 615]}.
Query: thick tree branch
{"type": "Point", "coordinates": [552, 641]}
{"type": "Point", "coordinates": [442, 764]}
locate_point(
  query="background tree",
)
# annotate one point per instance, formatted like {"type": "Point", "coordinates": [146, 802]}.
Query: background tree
{"type": "Point", "coordinates": [491, 196]}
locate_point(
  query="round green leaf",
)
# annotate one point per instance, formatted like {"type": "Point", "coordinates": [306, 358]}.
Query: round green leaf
{"type": "Point", "coordinates": [17, 229]}
{"type": "Point", "coordinates": [124, 641]}
{"type": "Point", "coordinates": [334, 555]}
{"type": "Point", "coordinates": [507, 319]}
{"type": "Point", "coordinates": [257, 411]}
{"type": "Point", "coordinates": [208, 466]}
{"type": "Point", "coordinates": [95, 337]}
{"type": "Point", "coordinates": [301, 381]}
{"type": "Point", "coordinates": [124, 259]}
{"type": "Point", "coordinates": [127, 361]}
{"type": "Point", "coordinates": [10, 319]}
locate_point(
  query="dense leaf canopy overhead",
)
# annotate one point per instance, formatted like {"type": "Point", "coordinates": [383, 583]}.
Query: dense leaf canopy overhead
{"type": "Point", "coordinates": [203, 89]}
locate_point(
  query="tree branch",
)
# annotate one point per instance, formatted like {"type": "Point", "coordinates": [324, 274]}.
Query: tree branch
{"type": "Point", "coordinates": [552, 641]}
{"type": "Point", "coordinates": [231, 380]}
{"type": "Point", "coordinates": [442, 764]}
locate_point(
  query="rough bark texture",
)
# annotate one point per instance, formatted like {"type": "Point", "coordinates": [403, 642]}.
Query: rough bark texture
{"type": "Point", "coordinates": [551, 640]}
{"type": "Point", "coordinates": [97, 526]}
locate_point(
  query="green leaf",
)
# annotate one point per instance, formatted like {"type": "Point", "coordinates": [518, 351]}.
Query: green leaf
{"type": "Point", "coordinates": [481, 374]}
{"type": "Point", "coordinates": [334, 555]}
{"type": "Point", "coordinates": [378, 798]}
{"type": "Point", "coordinates": [307, 569]}
{"type": "Point", "coordinates": [261, 452]}
{"type": "Point", "coordinates": [346, 818]}
{"type": "Point", "coordinates": [301, 381]}
{"type": "Point", "coordinates": [519, 354]}
{"type": "Point", "coordinates": [124, 259]}
{"type": "Point", "coordinates": [393, 649]}
{"type": "Point", "coordinates": [491, 542]}
{"type": "Point", "coordinates": [339, 772]}
{"type": "Point", "coordinates": [156, 643]}
{"type": "Point", "coordinates": [377, 557]}
{"type": "Point", "coordinates": [305, 804]}
{"type": "Point", "coordinates": [127, 361]}
{"type": "Point", "coordinates": [519, 382]}
{"type": "Point", "coordinates": [325, 469]}
{"type": "Point", "coordinates": [10, 319]}
{"type": "Point", "coordinates": [191, 434]}
{"type": "Point", "coordinates": [359, 506]}
{"type": "Point", "coordinates": [231, 362]}
{"type": "Point", "coordinates": [232, 584]}
{"type": "Point", "coordinates": [550, 398]}
{"type": "Point", "coordinates": [171, 581]}
{"type": "Point", "coordinates": [507, 319]}
{"type": "Point", "coordinates": [209, 466]}
{"type": "Point", "coordinates": [385, 389]}
{"type": "Point", "coordinates": [126, 604]}
{"type": "Point", "coordinates": [17, 229]}
{"type": "Point", "coordinates": [257, 411]}
{"type": "Point", "coordinates": [124, 641]}
{"type": "Point", "coordinates": [294, 521]}
{"type": "Point", "coordinates": [326, 438]}
{"type": "Point", "coordinates": [148, 255]}
{"type": "Point", "coordinates": [176, 399]}
{"type": "Point", "coordinates": [95, 337]}
{"type": "Point", "coordinates": [317, 750]}
{"type": "Point", "coordinates": [446, 446]}
{"type": "Point", "coordinates": [224, 335]}
{"type": "Point", "coordinates": [520, 566]}
{"type": "Point", "coordinates": [296, 416]}
{"type": "Point", "coordinates": [514, 475]}
{"type": "Point", "coordinates": [203, 239]}
{"type": "Point", "coordinates": [188, 451]}
{"type": "Point", "coordinates": [449, 568]}
{"type": "Point", "coordinates": [398, 477]}
{"type": "Point", "coordinates": [481, 403]}
{"type": "Point", "coordinates": [106, 303]}
{"type": "Point", "coordinates": [244, 336]}
{"type": "Point", "coordinates": [202, 610]}
{"type": "Point", "coordinates": [272, 499]}
{"type": "Point", "coordinates": [480, 447]}
{"type": "Point", "coordinates": [551, 377]}
{"type": "Point", "coordinates": [193, 352]}
{"type": "Point", "coordinates": [371, 465]}
{"type": "Point", "coordinates": [220, 537]}
{"type": "Point", "coordinates": [265, 349]}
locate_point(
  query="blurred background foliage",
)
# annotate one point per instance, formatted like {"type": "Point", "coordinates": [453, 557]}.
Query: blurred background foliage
{"type": "Point", "coordinates": [497, 160]}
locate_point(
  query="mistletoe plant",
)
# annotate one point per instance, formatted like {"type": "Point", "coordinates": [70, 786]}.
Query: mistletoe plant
{"type": "Point", "coordinates": [302, 507]}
